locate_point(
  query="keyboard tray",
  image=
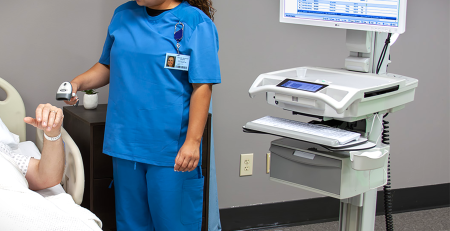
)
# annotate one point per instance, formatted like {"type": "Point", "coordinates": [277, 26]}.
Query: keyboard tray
{"type": "Point", "coordinates": [259, 128]}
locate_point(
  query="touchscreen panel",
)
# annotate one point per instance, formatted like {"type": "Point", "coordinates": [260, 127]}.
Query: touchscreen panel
{"type": "Point", "coordinates": [300, 85]}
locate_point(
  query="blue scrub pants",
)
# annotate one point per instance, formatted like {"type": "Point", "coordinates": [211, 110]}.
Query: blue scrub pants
{"type": "Point", "coordinates": [150, 197]}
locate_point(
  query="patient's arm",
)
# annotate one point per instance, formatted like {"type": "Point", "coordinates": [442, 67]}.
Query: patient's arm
{"type": "Point", "coordinates": [47, 171]}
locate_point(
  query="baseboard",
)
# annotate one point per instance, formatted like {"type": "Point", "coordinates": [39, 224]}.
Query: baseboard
{"type": "Point", "coordinates": [327, 209]}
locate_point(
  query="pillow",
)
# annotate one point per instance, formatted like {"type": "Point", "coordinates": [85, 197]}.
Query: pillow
{"type": "Point", "coordinates": [8, 138]}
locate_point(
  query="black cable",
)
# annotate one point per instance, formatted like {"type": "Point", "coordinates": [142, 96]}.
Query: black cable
{"type": "Point", "coordinates": [383, 53]}
{"type": "Point", "coordinates": [385, 140]}
{"type": "Point", "coordinates": [387, 187]}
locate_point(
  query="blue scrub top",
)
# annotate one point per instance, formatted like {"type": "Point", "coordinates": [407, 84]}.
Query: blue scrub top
{"type": "Point", "coordinates": [148, 105]}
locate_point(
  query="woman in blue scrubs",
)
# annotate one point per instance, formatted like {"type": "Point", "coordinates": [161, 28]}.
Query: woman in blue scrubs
{"type": "Point", "coordinates": [156, 113]}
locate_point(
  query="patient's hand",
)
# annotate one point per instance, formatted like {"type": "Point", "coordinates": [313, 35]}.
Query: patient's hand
{"type": "Point", "coordinates": [48, 118]}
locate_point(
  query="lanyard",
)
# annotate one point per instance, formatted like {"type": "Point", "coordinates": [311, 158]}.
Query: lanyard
{"type": "Point", "coordinates": [178, 35]}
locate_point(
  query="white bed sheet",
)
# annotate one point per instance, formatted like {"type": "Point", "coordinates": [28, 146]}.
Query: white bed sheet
{"type": "Point", "coordinates": [28, 148]}
{"type": "Point", "coordinates": [23, 209]}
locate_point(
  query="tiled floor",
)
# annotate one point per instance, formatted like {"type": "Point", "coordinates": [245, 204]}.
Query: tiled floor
{"type": "Point", "coordinates": [425, 220]}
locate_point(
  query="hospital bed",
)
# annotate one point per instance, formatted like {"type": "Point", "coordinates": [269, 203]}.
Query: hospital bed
{"type": "Point", "coordinates": [12, 112]}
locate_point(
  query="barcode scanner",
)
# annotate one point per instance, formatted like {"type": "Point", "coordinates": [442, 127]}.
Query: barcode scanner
{"type": "Point", "coordinates": [65, 92]}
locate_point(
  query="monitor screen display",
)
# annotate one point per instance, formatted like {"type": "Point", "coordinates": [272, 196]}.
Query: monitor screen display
{"type": "Point", "coordinates": [369, 15]}
{"type": "Point", "coordinates": [301, 85]}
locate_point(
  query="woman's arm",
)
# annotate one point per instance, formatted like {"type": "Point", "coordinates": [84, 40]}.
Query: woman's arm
{"type": "Point", "coordinates": [189, 154]}
{"type": "Point", "coordinates": [48, 171]}
{"type": "Point", "coordinates": [96, 77]}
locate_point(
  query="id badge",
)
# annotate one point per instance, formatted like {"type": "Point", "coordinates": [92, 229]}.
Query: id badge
{"type": "Point", "coordinates": [177, 62]}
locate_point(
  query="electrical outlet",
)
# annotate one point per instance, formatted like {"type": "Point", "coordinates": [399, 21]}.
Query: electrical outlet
{"type": "Point", "coordinates": [246, 168]}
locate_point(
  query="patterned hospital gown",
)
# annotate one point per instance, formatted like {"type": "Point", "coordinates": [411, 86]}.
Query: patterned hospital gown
{"type": "Point", "coordinates": [21, 160]}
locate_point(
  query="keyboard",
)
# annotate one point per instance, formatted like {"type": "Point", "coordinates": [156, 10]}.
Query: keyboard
{"type": "Point", "coordinates": [308, 131]}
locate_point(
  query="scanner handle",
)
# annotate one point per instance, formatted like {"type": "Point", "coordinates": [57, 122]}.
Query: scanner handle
{"type": "Point", "coordinates": [64, 92]}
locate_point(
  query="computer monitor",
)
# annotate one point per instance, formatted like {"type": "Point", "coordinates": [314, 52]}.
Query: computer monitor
{"type": "Point", "coordinates": [368, 15]}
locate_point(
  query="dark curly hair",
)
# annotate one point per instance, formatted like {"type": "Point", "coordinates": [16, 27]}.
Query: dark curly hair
{"type": "Point", "coordinates": [205, 6]}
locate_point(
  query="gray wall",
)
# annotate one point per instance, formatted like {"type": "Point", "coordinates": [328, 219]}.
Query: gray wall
{"type": "Point", "coordinates": [254, 42]}
{"type": "Point", "coordinates": [43, 43]}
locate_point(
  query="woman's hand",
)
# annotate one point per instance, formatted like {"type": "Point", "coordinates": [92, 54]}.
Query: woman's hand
{"type": "Point", "coordinates": [188, 157]}
{"type": "Point", "coordinates": [74, 98]}
{"type": "Point", "coordinates": [48, 118]}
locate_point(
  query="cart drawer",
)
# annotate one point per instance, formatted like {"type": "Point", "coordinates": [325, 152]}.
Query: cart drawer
{"type": "Point", "coordinates": [318, 172]}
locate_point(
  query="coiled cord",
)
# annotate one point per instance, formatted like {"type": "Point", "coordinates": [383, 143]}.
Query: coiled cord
{"type": "Point", "coordinates": [387, 187]}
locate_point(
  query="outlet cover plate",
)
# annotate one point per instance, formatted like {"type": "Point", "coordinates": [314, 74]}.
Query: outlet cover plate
{"type": "Point", "coordinates": [246, 166]}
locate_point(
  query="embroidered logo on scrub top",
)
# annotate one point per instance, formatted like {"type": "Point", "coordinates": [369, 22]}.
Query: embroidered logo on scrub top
{"type": "Point", "coordinates": [177, 61]}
